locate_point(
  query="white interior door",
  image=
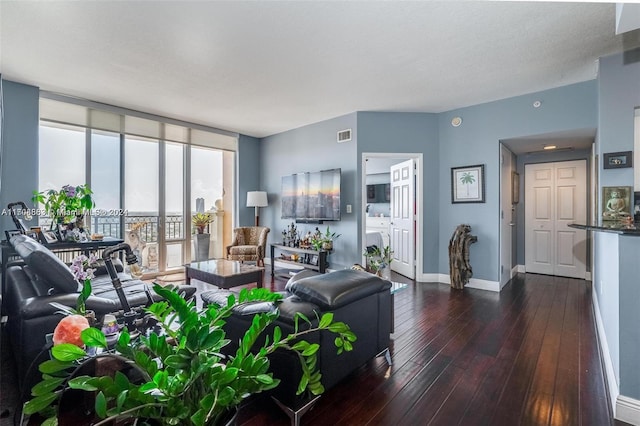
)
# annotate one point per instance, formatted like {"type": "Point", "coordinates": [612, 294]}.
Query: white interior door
{"type": "Point", "coordinates": [506, 216]}
{"type": "Point", "coordinates": [402, 223]}
{"type": "Point", "coordinates": [556, 196]}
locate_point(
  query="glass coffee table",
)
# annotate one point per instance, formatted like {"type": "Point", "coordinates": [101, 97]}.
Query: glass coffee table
{"type": "Point", "coordinates": [395, 287]}
{"type": "Point", "coordinates": [224, 273]}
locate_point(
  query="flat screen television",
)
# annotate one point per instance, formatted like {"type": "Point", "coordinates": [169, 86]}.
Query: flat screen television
{"type": "Point", "coordinates": [311, 197]}
{"type": "Point", "coordinates": [379, 193]}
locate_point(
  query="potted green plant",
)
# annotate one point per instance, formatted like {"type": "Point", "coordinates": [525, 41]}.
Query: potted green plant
{"type": "Point", "coordinates": [66, 205]}
{"type": "Point", "coordinates": [184, 377]}
{"type": "Point", "coordinates": [201, 239]}
{"type": "Point", "coordinates": [378, 261]}
{"type": "Point", "coordinates": [328, 238]}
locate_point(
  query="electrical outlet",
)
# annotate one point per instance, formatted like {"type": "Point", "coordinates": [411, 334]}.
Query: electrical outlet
{"type": "Point", "coordinates": [348, 208]}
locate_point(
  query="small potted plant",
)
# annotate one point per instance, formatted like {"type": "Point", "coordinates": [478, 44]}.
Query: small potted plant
{"type": "Point", "coordinates": [378, 261]}
{"type": "Point", "coordinates": [201, 239]}
{"type": "Point", "coordinates": [182, 377]}
{"type": "Point", "coordinates": [201, 221]}
{"type": "Point", "coordinates": [66, 205]}
{"type": "Point", "coordinates": [328, 238]}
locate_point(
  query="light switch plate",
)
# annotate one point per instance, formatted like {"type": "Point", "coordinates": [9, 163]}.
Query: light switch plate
{"type": "Point", "coordinates": [348, 208]}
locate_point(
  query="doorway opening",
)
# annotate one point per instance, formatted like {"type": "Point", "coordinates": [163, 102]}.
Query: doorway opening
{"type": "Point", "coordinates": [392, 208]}
{"type": "Point", "coordinates": [561, 148]}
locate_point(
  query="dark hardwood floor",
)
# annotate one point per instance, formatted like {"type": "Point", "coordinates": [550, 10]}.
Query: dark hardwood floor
{"type": "Point", "coordinates": [526, 356]}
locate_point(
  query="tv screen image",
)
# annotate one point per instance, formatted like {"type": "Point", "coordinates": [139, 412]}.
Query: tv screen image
{"type": "Point", "coordinates": [311, 196]}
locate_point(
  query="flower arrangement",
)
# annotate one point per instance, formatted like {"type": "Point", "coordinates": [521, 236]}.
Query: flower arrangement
{"type": "Point", "coordinates": [184, 377]}
{"type": "Point", "coordinates": [82, 268]}
{"type": "Point", "coordinates": [83, 273]}
{"type": "Point", "coordinates": [65, 204]}
{"type": "Point", "coordinates": [201, 220]}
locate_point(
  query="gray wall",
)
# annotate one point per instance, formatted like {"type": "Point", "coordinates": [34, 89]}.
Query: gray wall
{"type": "Point", "coordinates": [543, 158]}
{"type": "Point", "coordinates": [407, 133]}
{"type": "Point", "coordinates": [476, 141]}
{"type": "Point", "coordinates": [20, 147]}
{"type": "Point", "coordinates": [308, 149]}
{"type": "Point", "coordinates": [248, 171]}
{"type": "Point", "coordinates": [618, 95]}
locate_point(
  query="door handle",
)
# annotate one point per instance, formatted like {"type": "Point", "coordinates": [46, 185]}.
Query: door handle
{"type": "Point", "coordinates": [512, 224]}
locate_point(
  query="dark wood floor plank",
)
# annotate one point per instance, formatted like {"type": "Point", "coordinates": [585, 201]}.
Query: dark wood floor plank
{"type": "Point", "coordinates": [539, 400]}
{"type": "Point", "coordinates": [593, 407]}
{"type": "Point", "coordinates": [453, 408]}
{"type": "Point", "coordinates": [515, 390]}
{"type": "Point", "coordinates": [565, 409]}
{"type": "Point", "coordinates": [403, 401]}
{"type": "Point", "coordinates": [528, 355]}
{"type": "Point", "coordinates": [485, 401]}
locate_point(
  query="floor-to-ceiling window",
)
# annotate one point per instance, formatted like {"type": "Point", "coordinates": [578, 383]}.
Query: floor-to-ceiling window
{"type": "Point", "coordinates": [148, 176]}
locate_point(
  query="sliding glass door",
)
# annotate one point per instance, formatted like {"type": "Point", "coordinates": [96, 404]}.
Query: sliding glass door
{"type": "Point", "coordinates": [145, 188]}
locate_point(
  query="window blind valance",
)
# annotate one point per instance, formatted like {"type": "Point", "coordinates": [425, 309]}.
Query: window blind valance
{"type": "Point", "coordinates": [94, 115]}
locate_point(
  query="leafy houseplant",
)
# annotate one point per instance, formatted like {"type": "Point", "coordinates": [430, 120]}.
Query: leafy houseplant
{"type": "Point", "coordinates": [324, 241]}
{"type": "Point", "coordinates": [328, 238]}
{"type": "Point", "coordinates": [201, 220]}
{"type": "Point", "coordinates": [378, 259]}
{"type": "Point", "coordinates": [200, 239]}
{"type": "Point", "coordinates": [185, 379]}
{"type": "Point", "coordinates": [66, 204]}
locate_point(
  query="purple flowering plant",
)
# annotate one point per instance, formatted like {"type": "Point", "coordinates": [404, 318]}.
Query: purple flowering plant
{"type": "Point", "coordinates": [81, 267]}
{"type": "Point", "coordinates": [66, 203]}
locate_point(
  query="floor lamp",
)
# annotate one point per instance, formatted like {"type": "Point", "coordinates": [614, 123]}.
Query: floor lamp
{"type": "Point", "coordinates": [257, 199]}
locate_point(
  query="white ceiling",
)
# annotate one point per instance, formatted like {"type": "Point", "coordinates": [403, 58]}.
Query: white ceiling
{"type": "Point", "coordinates": [260, 68]}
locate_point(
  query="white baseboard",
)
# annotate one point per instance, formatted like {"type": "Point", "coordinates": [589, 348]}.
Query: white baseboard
{"type": "Point", "coordinates": [521, 269]}
{"type": "Point", "coordinates": [484, 285]}
{"type": "Point", "coordinates": [473, 282]}
{"type": "Point", "coordinates": [609, 372]}
{"type": "Point", "coordinates": [628, 410]}
{"type": "Point", "coordinates": [514, 271]}
{"type": "Point", "coordinates": [432, 278]}
{"type": "Point", "coordinates": [587, 276]}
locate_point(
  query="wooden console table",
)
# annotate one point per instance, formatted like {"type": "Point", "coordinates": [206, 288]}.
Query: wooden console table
{"type": "Point", "coordinates": [321, 265]}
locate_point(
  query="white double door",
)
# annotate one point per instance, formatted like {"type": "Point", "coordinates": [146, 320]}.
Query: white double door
{"type": "Point", "coordinates": [555, 197]}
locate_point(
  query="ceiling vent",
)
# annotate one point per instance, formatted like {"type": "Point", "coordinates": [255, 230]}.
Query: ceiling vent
{"type": "Point", "coordinates": [344, 135]}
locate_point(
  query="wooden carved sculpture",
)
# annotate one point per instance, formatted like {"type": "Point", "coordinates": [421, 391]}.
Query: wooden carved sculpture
{"type": "Point", "coordinates": [459, 267]}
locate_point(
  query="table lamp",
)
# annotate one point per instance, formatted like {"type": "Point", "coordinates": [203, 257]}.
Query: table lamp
{"type": "Point", "coordinates": [257, 199]}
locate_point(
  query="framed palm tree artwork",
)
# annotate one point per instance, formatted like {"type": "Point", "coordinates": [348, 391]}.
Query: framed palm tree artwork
{"type": "Point", "coordinates": [467, 184]}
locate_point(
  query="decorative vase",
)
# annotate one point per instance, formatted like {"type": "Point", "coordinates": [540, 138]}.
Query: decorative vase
{"type": "Point", "coordinates": [201, 246]}
{"type": "Point", "coordinates": [385, 273]}
{"type": "Point", "coordinates": [327, 245]}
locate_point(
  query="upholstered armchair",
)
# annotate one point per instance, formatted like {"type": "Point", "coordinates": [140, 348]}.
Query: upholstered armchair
{"type": "Point", "coordinates": [249, 243]}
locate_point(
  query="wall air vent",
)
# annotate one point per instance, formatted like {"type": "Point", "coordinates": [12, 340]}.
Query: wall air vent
{"type": "Point", "coordinates": [344, 135]}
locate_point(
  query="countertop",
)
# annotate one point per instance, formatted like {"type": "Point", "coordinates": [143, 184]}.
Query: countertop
{"type": "Point", "coordinates": [613, 227]}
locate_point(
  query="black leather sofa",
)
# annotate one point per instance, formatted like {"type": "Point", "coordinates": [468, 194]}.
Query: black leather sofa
{"type": "Point", "coordinates": [359, 299]}
{"type": "Point", "coordinates": [42, 278]}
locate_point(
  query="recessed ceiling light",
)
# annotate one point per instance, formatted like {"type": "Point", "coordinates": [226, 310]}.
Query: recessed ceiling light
{"type": "Point", "coordinates": [549, 147]}
{"type": "Point", "coordinates": [456, 121]}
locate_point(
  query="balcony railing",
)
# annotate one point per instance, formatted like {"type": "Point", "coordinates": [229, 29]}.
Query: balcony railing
{"type": "Point", "coordinates": [148, 230]}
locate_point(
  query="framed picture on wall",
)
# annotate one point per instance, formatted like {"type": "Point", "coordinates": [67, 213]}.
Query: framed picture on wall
{"type": "Point", "coordinates": [467, 184]}
{"type": "Point", "coordinates": [617, 160]}
{"type": "Point", "coordinates": [616, 202]}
